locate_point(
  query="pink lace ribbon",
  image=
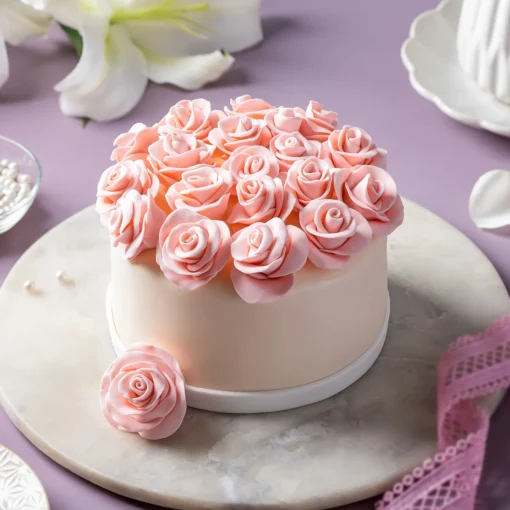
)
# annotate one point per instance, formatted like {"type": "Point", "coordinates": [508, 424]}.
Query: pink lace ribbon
{"type": "Point", "coordinates": [472, 367]}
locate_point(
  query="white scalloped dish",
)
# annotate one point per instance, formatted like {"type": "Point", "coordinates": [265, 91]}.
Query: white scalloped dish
{"type": "Point", "coordinates": [430, 56]}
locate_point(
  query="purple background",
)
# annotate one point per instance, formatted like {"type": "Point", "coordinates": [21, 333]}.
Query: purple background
{"type": "Point", "coordinates": [344, 54]}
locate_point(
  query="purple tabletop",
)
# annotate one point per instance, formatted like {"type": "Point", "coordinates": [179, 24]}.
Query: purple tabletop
{"type": "Point", "coordinates": [343, 54]}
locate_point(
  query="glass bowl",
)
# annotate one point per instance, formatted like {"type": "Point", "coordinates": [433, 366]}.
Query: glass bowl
{"type": "Point", "coordinates": [27, 164]}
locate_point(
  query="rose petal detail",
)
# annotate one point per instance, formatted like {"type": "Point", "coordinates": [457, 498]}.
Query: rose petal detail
{"type": "Point", "coordinates": [371, 191]}
{"type": "Point", "coordinates": [266, 256]}
{"type": "Point", "coordinates": [163, 384]}
{"type": "Point", "coordinates": [134, 224]}
{"type": "Point", "coordinates": [334, 232]}
{"type": "Point", "coordinates": [252, 107]}
{"type": "Point", "coordinates": [192, 248]}
{"type": "Point", "coordinates": [194, 117]}
{"type": "Point", "coordinates": [117, 180]}
{"type": "Point", "coordinates": [204, 189]}
{"type": "Point", "coordinates": [352, 146]}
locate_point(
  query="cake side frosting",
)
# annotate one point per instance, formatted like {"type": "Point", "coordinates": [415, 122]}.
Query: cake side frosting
{"type": "Point", "coordinates": [326, 321]}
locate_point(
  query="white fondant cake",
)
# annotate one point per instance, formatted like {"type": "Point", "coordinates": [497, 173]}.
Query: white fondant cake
{"type": "Point", "coordinates": [327, 320]}
{"type": "Point", "coordinates": [248, 261]}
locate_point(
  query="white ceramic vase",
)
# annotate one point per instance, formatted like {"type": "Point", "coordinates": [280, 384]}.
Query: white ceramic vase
{"type": "Point", "coordinates": [483, 45]}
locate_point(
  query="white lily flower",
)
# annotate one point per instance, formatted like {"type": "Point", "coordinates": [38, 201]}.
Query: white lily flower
{"type": "Point", "coordinates": [17, 23]}
{"type": "Point", "coordinates": [128, 42]}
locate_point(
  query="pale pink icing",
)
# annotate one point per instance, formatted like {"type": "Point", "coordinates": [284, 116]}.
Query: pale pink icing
{"type": "Point", "coordinates": [261, 198]}
{"type": "Point", "coordinates": [117, 180]}
{"type": "Point", "coordinates": [334, 232]}
{"type": "Point", "coordinates": [194, 117]}
{"type": "Point", "coordinates": [266, 256]}
{"type": "Point", "coordinates": [290, 147]}
{"type": "Point", "coordinates": [351, 146]}
{"type": "Point", "coordinates": [239, 131]}
{"type": "Point", "coordinates": [318, 122]}
{"type": "Point", "coordinates": [204, 189]}
{"type": "Point", "coordinates": [371, 191]}
{"type": "Point", "coordinates": [309, 179]}
{"type": "Point", "coordinates": [174, 153]}
{"type": "Point", "coordinates": [135, 143]}
{"type": "Point", "coordinates": [247, 105]}
{"type": "Point", "coordinates": [253, 161]}
{"type": "Point", "coordinates": [192, 248]}
{"type": "Point", "coordinates": [134, 224]}
{"type": "Point", "coordinates": [284, 120]}
{"type": "Point", "coordinates": [143, 392]}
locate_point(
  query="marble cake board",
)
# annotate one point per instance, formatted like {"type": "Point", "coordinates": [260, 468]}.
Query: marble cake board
{"type": "Point", "coordinates": [55, 346]}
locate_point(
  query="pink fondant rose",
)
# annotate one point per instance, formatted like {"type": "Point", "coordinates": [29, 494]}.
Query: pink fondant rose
{"type": "Point", "coordinates": [260, 199]}
{"type": "Point", "coordinates": [204, 189]}
{"type": "Point", "coordinates": [334, 232]}
{"type": "Point", "coordinates": [134, 224]}
{"type": "Point", "coordinates": [192, 249]}
{"type": "Point", "coordinates": [309, 179]}
{"type": "Point", "coordinates": [174, 153]}
{"type": "Point", "coordinates": [351, 146]}
{"type": "Point", "coordinates": [318, 122]}
{"type": "Point", "coordinates": [289, 147]}
{"type": "Point", "coordinates": [143, 392]}
{"type": "Point", "coordinates": [253, 161]}
{"type": "Point", "coordinates": [266, 256]}
{"type": "Point", "coordinates": [371, 191]}
{"type": "Point", "coordinates": [247, 105]}
{"type": "Point", "coordinates": [135, 143]}
{"type": "Point", "coordinates": [239, 131]}
{"type": "Point", "coordinates": [117, 180]}
{"type": "Point", "coordinates": [284, 120]}
{"type": "Point", "coordinates": [190, 118]}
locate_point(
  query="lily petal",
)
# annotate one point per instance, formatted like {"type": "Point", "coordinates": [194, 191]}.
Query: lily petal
{"type": "Point", "coordinates": [92, 67]}
{"type": "Point", "coordinates": [231, 25]}
{"type": "Point", "coordinates": [489, 203]}
{"type": "Point", "coordinates": [121, 88]}
{"type": "Point", "coordinates": [68, 12]}
{"type": "Point", "coordinates": [189, 73]}
{"type": "Point", "coordinates": [4, 62]}
{"type": "Point", "coordinates": [19, 22]}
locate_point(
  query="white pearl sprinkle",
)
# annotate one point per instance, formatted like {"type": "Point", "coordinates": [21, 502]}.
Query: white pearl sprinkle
{"type": "Point", "coordinates": [29, 286]}
{"type": "Point", "coordinates": [63, 278]}
{"type": "Point", "coordinates": [11, 173]}
{"type": "Point", "coordinates": [4, 162]}
{"type": "Point", "coordinates": [24, 179]}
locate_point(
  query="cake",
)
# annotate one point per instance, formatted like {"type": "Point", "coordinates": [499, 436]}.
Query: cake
{"type": "Point", "coordinates": [248, 261]}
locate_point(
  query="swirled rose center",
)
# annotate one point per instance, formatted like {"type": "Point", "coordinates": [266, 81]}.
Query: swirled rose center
{"type": "Point", "coordinates": [311, 172]}
{"type": "Point", "coordinates": [353, 137]}
{"type": "Point", "coordinates": [188, 240]}
{"type": "Point", "coordinates": [250, 188]}
{"type": "Point", "coordinates": [369, 191]}
{"type": "Point", "coordinates": [333, 220]}
{"type": "Point", "coordinates": [254, 239]}
{"type": "Point", "coordinates": [199, 181]}
{"type": "Point", "coordinates": [180, 146]}
{"type": "Point", "coordinates": [291, 142]}
{"type": "Point", "coordinates": [254, 164]}
{"type": "Point", "coordinates": [244, 125]}
{"type": "Point", "coordinates": [113, 176]}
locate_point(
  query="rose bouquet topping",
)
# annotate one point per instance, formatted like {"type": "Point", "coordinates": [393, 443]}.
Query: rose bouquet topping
{"type": "Point", "coordinates": [250, 193]}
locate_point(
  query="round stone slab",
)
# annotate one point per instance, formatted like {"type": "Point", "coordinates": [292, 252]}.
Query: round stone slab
{"type": "Point", "coordinates": [55, 347]}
